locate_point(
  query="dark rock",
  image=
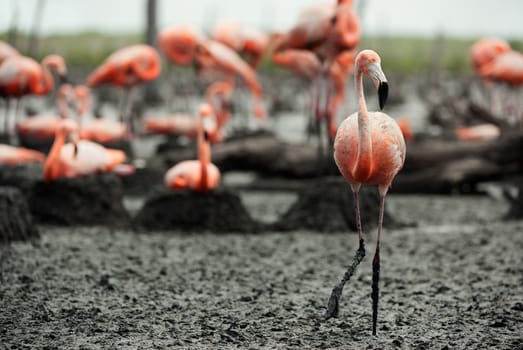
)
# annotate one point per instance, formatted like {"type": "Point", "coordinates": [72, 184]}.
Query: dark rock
{"type": "Point", "coordinates": [16, 222]}
{"type": "Point", "coordinates": [94, 199]}
{"type": "Point", "coordinates": [218, 211]}
{"type": "Point", "coordinates": [327, 205]}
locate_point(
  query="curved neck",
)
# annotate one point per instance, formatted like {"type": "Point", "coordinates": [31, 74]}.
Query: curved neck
{"type": "Point", "coordinates": [363, 164]}
{"type": "Point", "coordinates": [204, 156]}
{"type": "Point", "coordinates": [45, 84]}
{"type": "Point", "coordinates": [54, 155]}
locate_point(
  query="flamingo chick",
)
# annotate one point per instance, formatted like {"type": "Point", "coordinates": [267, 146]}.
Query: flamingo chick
{"type": "Point", "coordinates": [79, 157]}
{"type": "Point", "coordinates": [197, 175]}
{"type": "Point", "coordinates": [369, 148]}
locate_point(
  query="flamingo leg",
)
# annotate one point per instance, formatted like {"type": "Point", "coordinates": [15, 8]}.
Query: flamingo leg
{"type": "Point", "coordinates": [11, 124]}
{"type": "Point", "coordinates": [376, 266]}
{"type": "Point", "coordinates": [6, 115]}
{"type": "Point", "coordinates": [333, 306]}
{"type": "Point", "coordinates": [125, 111]}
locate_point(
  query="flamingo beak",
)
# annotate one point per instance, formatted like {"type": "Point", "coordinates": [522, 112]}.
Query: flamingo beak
{"type": "Point", "coordinates": [383, 93]}
{"type": "Point", "coordinates": [380, 81]}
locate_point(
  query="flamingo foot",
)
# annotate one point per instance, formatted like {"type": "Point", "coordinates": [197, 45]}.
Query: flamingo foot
{"type": "Point", "coordinates": [333, 306]}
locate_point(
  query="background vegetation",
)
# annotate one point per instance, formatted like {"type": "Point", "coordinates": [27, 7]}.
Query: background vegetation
{"type": "Point", "coordinates": [401, 54]}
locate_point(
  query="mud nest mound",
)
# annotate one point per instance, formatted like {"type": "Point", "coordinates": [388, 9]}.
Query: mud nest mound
{"type": "Point", "coordinates": [40, 144]}
{"type": "Point", "coordinates": [327, 205]}
{"type": "Point", "coordinates": [16, 223]}
{"type": "Point", "coordinates": [219, 211]}
{"type": "Point", "coordinates": [141, 181]}
{"type": "Point", "coordinates": [88, 200]}
{"type": "Point", "coordinates": [22, 176]}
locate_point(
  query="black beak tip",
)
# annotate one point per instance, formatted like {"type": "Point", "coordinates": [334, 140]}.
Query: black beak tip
{"type": "Point", "coordinates": [64, 79]}
{"type": "Point", "coordinates": [206, 136]}
{"type": "Point", "coordinates": [383, 93]}
{"type": "Point", "coordinates": [75, 150]}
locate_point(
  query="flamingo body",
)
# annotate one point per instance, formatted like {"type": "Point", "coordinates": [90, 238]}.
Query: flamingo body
{"type": "Point", "coordinates": [187, 175]}
{"type": "Point", "coordinates": [127, 67]}
{"type": "Point", "coordinates": [477, 133]}
{"type": "Point", "coordinates": [385, 159]}
{"type": "Point", "coordinates": [10, 155]}
{"type": "Point", "coordinates": [103, 130]}
{"type": "Point", "coordinates": [39, 126]}
{"type": "Point", "coordinates": [506, 67]}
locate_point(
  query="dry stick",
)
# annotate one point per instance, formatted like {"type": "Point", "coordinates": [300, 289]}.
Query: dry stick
{"type": "Point", "coordinates": [333, 307]}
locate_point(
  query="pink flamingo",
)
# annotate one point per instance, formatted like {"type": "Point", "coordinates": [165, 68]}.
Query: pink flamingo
{"type": "Point", "coordinates": [250, 42]}
{"type": "Point", "coordinates": [80, 157]}
{"type": "Point", "coordinates": [127, 68]}
{"type": "Point", "coordinates": [369, 149]}
{"type": "Point", "coordinates": [21, 76]}
{"type": "Point", "coordinates": [197, 175]}
{"type": "Point", "coordinates": [10, 155]}
{"type": "Point", "coordinates": [478, 133]}
{"type": "Point", "coordinates": [45, 126]}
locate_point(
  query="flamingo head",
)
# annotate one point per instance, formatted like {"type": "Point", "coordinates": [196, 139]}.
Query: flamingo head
{"type": "Point", "coordinates": [56, 63]}
{"type": "Point", "coordinates": [368, 62]}
{"type": "Point", "coordinates": [69, 127]}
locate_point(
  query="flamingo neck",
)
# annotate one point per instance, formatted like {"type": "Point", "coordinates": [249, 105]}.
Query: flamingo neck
{"type": "Point", "coordinates": [204, 156]}
{"type": "Point", "coordinates": [363, 163]}
{"type": "Point", "coordinates": [50, 170]}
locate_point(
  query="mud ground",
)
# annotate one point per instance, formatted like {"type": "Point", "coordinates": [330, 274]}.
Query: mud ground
{"type": "Point", "coordinates": [452, 281]}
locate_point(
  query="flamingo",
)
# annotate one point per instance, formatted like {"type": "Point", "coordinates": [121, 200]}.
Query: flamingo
{"type": "Point", "coordinates": [10, 155]}
{"type": "Point", "coordinates": [249, 42]}
{"type": "Point", "coordinates": [197, 175]}
{"type": "Point", "coordinates": [127, 68]}
{"type": "Point", "coordinates": [328, 32]}
{"type": "Point", "coordinates": [218, 97]}
{"type": "Point", "coordinates": [80, 157]}
{"type": "Point", "coordinates": [215, 56]}
{"type": "Point", "coordinates": [477, 133]}
{"type": "Point", "coordinates": [44, 126]}
{"type": "Point", "coordinates": [368, 149]}
{"type": "Point", "coordinates": [21, 76]}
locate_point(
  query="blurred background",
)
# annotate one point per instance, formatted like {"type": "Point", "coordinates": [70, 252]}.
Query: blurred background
{"type": "Point", "coordinates": [85, 32]}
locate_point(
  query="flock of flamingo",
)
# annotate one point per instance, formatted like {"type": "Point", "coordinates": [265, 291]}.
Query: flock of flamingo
{"type": "Point", "coordinates": [321, 48]}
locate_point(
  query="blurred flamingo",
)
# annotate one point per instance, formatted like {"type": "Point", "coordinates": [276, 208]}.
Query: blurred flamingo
{"type": "Point", "coordinates": [10, 155]}
{"type": "Point", "coordinates": [45, 126]}
{"type": "Point", "coordinates": [127, 68]}
{"type": "Point", "coordinates": [326, 34]}
{"type": "Point", "coordinates": [183, 124]}
{"type": "Point", "coordinates": [21, 76]}
{"type": "Point", "coordinates": [215, 56]}
{"type": "Point", "coordinates": [478, 133]}
{"type": "Point", "coordinates": [7, 50]}
{"type": "Point", "coordinates": [80, 157]}
{"type": "Point", "coordinates": [250, 42]}
{"type": "Point", "coordinates": [369, 149]}
{"type": "Point", "coordinates": [406, 129]}
{"type": "Point", "coordinates": [485, 50]}
{"type": "Point", "coordinates": [197, 175]}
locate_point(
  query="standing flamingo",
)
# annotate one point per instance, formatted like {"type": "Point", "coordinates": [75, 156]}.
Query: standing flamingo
{"type": "Point", "coordinates": [21, 76]}
{"type": "Point", "coordinates": [127, 68]}
{"type": "Point", "coordinates": [249, 42]}
{"type": "Point", "coordinates": [80, 157]}
{"type": "Point", "coordinates": [369, 149]}
{"type": "Point", "coordinates": [197, 175]}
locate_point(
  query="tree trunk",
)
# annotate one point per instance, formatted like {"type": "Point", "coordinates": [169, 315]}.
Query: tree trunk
{"type": "Point", "coordinates": [32, 49]}
{"type": "Point", "coordinates": [151, 93]}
